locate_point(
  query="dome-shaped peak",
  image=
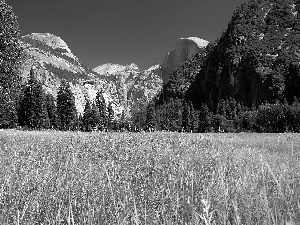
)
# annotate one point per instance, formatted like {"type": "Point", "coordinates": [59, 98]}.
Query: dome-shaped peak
{"type": "Point", "coordinates": [49, 39]}
{"type": "Point", "coordinates": [200, 42]}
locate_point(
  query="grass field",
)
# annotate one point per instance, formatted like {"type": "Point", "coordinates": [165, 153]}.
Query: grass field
{"type": "Point", "coordinates": [149, 178]}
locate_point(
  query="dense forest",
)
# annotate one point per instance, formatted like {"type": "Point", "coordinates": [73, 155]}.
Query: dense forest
{"type": "Point", "coordinates": [38, 110]}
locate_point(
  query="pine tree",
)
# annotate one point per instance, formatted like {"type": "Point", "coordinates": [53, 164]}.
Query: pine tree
{"type": "Point", "coordinates": [137, 118]}
{"type": "Point", "coordinates": [90, 120]}
{"type": "Point", "coordinates": [174, 113]}
{"type": "Point", "coordinates": [204, 119]}
{"type": "Point", "coordinates": [66, 109]}
{"type": "Point", "coordinates": [8, 111]}
{"type": "Point", "coordinates": [95, 116]}
{"type": "Point", "coordinates": [33, 111]}
{"type": "Point", "coordinates": [193, 119]}
{"type": "Point", "coordinates": [52, 112]}
{"type": "Point", "coordinates": [110, 116]}
{"type": "Point", "coordinates": [87, 117]}
{"type": "Point", "coordinates": [10, 56]}
{"type": "Point", "coordinates": [80, 125]}
{"type": "Point", "coordinates": [100, 103]}
{"type": "Point", "coordinates": [150, 116]}
{"type": "Point", "coordinates": [188, 117]}
{"type": "Point", "coordinates": [164, 119]}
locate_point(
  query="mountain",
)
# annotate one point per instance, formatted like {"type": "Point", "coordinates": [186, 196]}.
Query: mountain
{"type": "Point", "coordinates": [112, 69]}
{"type": "Point", "coordinates": [54, 61]}
{"type": "Point", "coordinates": [125, 86]}
{"type": "Point", "coordinates": [135, 87]}
{"type": "Point", "coordinates": [180, 80]}
{"type": "Point", "coordinates": [185, 49]}
{"type": "Point", "coordinates": [138, 86]}
{"type": "Point", "coordinates": [256, 59]}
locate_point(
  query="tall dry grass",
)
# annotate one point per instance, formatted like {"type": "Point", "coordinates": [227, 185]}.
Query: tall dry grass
{"type": "Point", "coordinates": [150, 178]}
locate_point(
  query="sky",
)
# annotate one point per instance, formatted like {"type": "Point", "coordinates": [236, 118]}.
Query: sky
{"type": "Point", "coordinates": [124, 31]}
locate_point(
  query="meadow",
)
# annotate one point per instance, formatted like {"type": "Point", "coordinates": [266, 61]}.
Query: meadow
{"type": "Point", "coordinates": [149, 178]}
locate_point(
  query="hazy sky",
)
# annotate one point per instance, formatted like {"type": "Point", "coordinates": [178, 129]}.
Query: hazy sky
{"type": "Point", "coordinates": [124, 31]}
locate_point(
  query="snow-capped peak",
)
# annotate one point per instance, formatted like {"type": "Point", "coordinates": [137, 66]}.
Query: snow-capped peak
{"type": "Point", "coordinates": [200, 42]}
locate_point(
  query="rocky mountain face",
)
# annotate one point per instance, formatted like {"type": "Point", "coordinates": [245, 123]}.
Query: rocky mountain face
{"type": "Point", "coordinates": [139, 87]}
{"type": "Point", "coordinates": [125, 86]}
{"type": "Point", "coordinates": [134, 87]}
{"type": "Point", "coordinates": [185, 49]}
{"type": "Point", "coordinates": [54, 61]}
{"type": "Point", "coordinates": [256, 60]}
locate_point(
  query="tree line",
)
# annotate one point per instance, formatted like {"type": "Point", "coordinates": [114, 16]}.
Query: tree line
{"type": "Point", "coordinates": [178, 115]}
{"type": "Point", "coordinates": [39, 110]}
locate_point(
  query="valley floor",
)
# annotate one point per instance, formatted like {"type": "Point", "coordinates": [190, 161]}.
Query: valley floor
{"type": "Point", "coordinates": [149, 178]}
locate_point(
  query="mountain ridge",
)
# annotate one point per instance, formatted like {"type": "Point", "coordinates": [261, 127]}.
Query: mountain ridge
{"type": "Point", "coordinates": [122, 85]}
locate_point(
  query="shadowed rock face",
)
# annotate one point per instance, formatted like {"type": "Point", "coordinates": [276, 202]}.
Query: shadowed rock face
{"type": "Point", "coordinates": [185, 49]}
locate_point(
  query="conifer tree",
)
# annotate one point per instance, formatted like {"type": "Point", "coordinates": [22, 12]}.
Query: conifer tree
{"type": "Point", "coordinates": [80, 125]}
{"type": "Point", "coordinates": [66, 109]}
{"type": "Point", "coordinates": [174, 113]}
{"type": "Point", "coordinates": [164, 119]}
{"type": "Point", "coordinates": [87, 116]}
{"type": "Point", "coordinates": [95, 115]}
{"type": "Point", "coordinates": [33, 111]}
{"type": "Point", "coordinates": [8, 111]}
{"type": "Point", "coordinates": [90, 120]}
{"type": "Point", "coordinates": [187, 117]}
{"type": "Point", "coordinates": [10, 56]}
{"type": "Point", "coordinates": [193, 118]}
{"type": "Point", "coordinates": [204, 119]}
{"type": "Point", "coordinates": [110, 116]}
{"type": "Point", "coordinates": [100, 103]}
{"type": "Point", "coordinates": [137, 118]}
{"type": "Point", "coordinates": [150, 116]}
{"type": "Point", "coordinates": [52, 112]}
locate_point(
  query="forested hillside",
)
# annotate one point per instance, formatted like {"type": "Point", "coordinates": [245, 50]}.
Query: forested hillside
{"type": "Point", "coordinates": [255, 61]}
{"type": "Point", "coordinates": [257, 58]}
{"type": "Point", "coordinates": [247, 76]}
